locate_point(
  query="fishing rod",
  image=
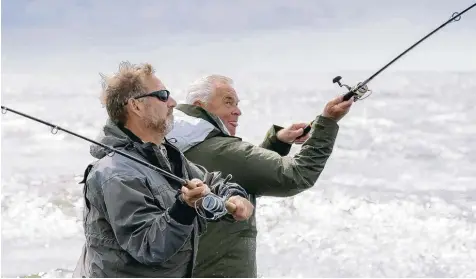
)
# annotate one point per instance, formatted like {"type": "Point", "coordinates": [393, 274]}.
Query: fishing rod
{"type": "Point", "coordinates": [212, 204]}
{"type": "Point", "coordinates": [359, 91]}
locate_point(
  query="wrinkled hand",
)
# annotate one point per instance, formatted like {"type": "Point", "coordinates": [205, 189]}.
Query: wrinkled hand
{"type": "Point", "coordinates": [244, 208]}
{"type": "Point", "coordinates": [336, 109]}
{"type": "Point", "coordinates": [292, 133]}
{"type": "Point", "coordinates": [193, 191]}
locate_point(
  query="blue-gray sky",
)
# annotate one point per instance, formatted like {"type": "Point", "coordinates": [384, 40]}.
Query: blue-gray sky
{"type": "Point", "coordinates": [215, 15]}
{"type": "Point", "coordinates": [33, 30]}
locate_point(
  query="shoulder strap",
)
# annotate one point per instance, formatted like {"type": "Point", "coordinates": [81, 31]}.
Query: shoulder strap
{"type": "Point", "coordinates": [85, 187]}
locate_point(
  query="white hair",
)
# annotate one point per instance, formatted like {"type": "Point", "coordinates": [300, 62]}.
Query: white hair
{"type": "Point", "coordinates": [201, 89]}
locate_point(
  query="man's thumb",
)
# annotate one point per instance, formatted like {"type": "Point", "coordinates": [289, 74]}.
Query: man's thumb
{"type": "Point", "coordinates": [298, 132]}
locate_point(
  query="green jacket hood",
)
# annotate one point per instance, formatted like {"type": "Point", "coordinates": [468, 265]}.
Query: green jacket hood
{"type": "Point", "coordinates": [193, 125]}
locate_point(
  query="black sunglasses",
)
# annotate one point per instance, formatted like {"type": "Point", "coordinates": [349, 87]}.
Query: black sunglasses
{"type": "Point", "coordinates": [162, 95]}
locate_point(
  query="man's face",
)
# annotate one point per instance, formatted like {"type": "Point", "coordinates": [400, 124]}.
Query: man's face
{"type": "Point", "coordinates": [223, 102]}
{"type": "Point", "coordinates": [158, 114]}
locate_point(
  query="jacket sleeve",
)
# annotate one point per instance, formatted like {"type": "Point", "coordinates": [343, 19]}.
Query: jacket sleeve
{"type": "Point", "coordinates": [147, 230]}
{"type": "Point", "coordinates": [271, 142]}
{"type": "Point", "coordinates": [263, 172]}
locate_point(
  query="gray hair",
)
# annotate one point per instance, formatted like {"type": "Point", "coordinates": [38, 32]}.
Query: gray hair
{"type": "Point", "coordinates": [201, 89]}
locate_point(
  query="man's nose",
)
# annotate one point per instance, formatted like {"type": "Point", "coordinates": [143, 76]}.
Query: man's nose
{"type": "Point", "coordinates": [171, 102]}
{"type": "Point", "coordinates": [237, 111]}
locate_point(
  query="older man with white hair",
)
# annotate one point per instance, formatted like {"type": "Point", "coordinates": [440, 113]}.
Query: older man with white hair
{"type": "Point", "coordinates": [205, 130]}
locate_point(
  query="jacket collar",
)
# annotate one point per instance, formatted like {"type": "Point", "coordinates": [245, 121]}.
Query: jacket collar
{"type": "Point", "coordinates": [199, 112]}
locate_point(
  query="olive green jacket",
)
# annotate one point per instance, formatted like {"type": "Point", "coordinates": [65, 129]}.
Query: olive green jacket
{"type": "Point", "coordinates": [263, 170]}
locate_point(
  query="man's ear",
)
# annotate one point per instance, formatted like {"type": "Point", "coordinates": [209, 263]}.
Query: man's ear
{"type": "Point", "coordinates": [134, 106]}
{"type": "Point", "coordinates": [199, 104]}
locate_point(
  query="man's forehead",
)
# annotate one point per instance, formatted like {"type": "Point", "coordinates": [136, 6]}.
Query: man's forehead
{"type": "Point", "coordinates": [153, 83]}
{"type": "Point", "coordinates": [226, 91]}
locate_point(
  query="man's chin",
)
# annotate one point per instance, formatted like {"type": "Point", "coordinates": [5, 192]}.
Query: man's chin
{"type": "Point", "coordinates": [231, 130]}
{"type": "Point", "coordinates": [169, 125]}
{"type": "Point", "coordinates": [171, 118]}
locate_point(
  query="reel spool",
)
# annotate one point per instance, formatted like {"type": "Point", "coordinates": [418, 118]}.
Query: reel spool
{"type": "Point", "coordinates": [213, 207]}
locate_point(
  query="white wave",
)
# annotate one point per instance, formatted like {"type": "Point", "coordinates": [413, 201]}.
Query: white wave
{"type": "Point", "coordinates": [332, 234]}
{"type": "Point", "coordinates": [34, 217]}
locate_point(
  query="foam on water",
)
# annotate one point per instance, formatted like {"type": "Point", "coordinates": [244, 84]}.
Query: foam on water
{"type": "Point", "coordinates": [40, 218]}
{"type": "Point", "coordinates": [372, 234]}
{"type": "Point", "coordinates": [41, 224]}
{"type": "Point", "coordinates": [396, 198]}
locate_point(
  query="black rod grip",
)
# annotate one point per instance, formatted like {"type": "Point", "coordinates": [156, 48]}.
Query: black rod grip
{"type": "Point", "coordinates": [306, 130]}
{"type": "Point", "coordinates": [348, 95]}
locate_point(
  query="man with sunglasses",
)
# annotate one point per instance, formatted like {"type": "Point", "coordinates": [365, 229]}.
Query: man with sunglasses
{"type": "Point", "coordinates": [205, 130]}
{"type": "Point", "coordinates": [138, 222]}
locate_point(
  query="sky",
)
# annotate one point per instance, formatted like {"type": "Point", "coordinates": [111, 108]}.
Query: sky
{"type": "Point", "coordinates": [213, 16]}
{"type": "Point", "coordinates": [43, 35]}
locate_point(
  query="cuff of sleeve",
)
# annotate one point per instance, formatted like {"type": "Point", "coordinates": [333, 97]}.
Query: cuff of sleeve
{"type": "Point", "coordinates": [282, 148]}
{"type": "Point", "coordinates": [236, 190]}
{"type": "Point", "coordinates": [182, 213]}
{"type": "Point", "coordinates": [328, 127]}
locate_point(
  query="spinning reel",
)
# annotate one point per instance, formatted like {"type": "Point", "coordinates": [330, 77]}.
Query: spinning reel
{"type": "Point", "coordinates": [359, 92]}
{"type": "Point", "coordinates": [213, 207]}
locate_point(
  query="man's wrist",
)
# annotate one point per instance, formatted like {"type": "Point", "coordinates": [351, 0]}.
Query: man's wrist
{"type": "Point", "coordinates": [181, 211]}
{"type": "Point", "coordinates": [278, 136]}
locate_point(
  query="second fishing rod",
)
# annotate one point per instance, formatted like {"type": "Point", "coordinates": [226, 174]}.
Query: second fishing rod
{"type": "Point", "coordinates": [359, 91]}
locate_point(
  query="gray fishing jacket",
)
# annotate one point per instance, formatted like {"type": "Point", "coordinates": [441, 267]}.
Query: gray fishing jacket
{"type": "Point", "coordinates": [133, 222]}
